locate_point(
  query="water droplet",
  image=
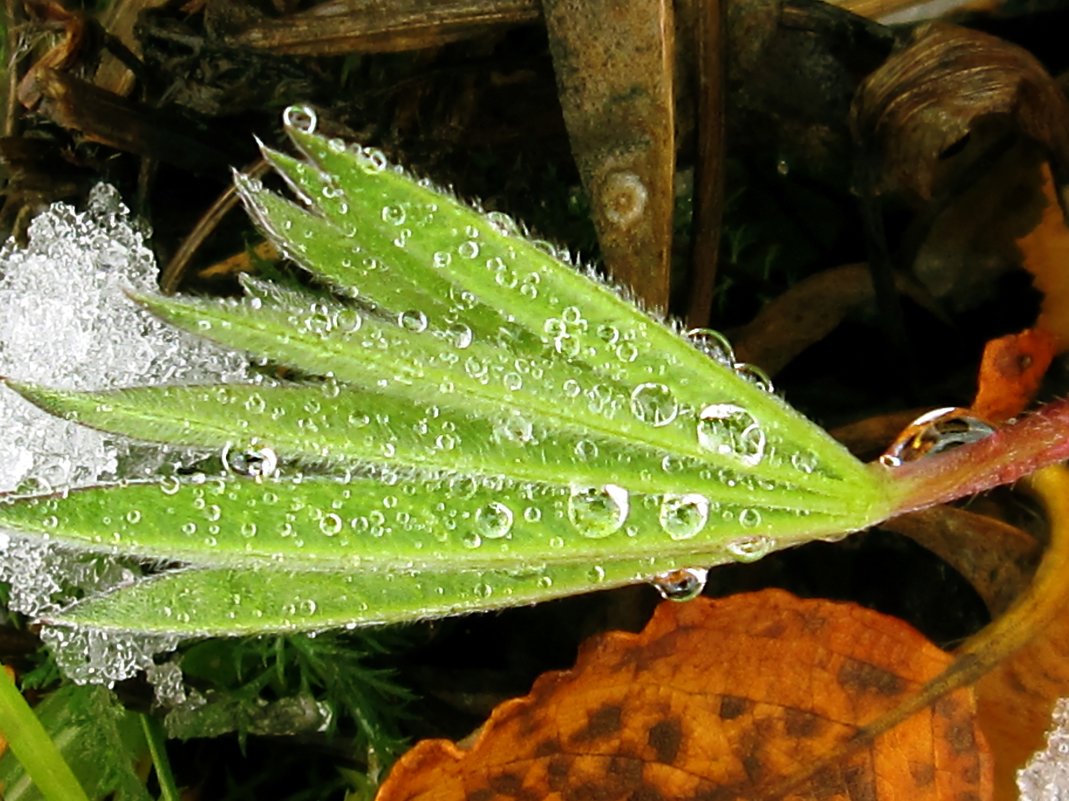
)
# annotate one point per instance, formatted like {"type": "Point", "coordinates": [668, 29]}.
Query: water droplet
{"type": "Point", "coordinates": [730, 430]}
{"type": "Point", "coordinates": [331, 524]}
{"type": "Point", "coordinates": [394, 214]}
{"type": "Point", "coordinates": [515, 428]}
{"type": "Point", "coordinates": [257, 463]}
{"type": "Point", "coordinates": [626, 352]}
{"type": "Point", "coordinates": [749, 549]}
{"type": "Point", "coordinates": [683, 516]}
{"type": "Point", "coordinates": [170, 485]}
{"type": "Point", "coordinates": [713, 344]}
{"type": "Point", "coordinates": [412, 320]}
{"type": "Point", "coordinates": [936, 431]}
{"type": "Point", "coordinates": [471, 539]}
{"type": "Point", "coordinates": [586, 449]}
{"type": "Point", "coordinates": [468, 249]}
{"type": "Point", "coordinates": [460, 335]}
{"type": "Point", "coordinates": [597, 512]}
{"type": "Point", "coordinates": [494, 520]}
{"type": "Point", "coordinates": [654, 404]}
{"type": "Point", "coordinates": [483, 590]}
{"type": "Point", "coordinates": [596, 574]}
{"type": "Point", "coordinates": [684, 584]}
{"type": "Point", "coordinates": [755, 375]}
{"type": "Point", "coordinates": [301, 117]}
{"type": "Point", "coordinates": [749, 518]}
{"type": "Point", "coordinates": [804, 461]}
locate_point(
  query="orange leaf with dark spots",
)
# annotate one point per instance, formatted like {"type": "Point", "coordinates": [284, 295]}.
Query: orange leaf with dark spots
{"type": "Point", "coordinates": [1011, 371]}
{"type": "Point", "coordinates": [720, 700]}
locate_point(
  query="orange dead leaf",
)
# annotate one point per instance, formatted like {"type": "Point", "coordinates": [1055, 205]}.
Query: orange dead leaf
{"type": "Point", "coordinates": [1011, 371]}
{"type": "Point", "coordinates": [1045, 254]}
{"type": "Point", "coordinates": [720, 700]}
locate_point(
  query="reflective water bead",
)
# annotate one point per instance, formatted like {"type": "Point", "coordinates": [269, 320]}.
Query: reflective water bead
{"type": "Point", "coordinates": [393, 214]}
{"type": "Point", "coordinates": [683, 516]}
{"type": "Point", "coordinates": [731, 430]}
{"type": "Point", "coordinates": [301, 117]}
{"type": "Point", "coordinates": [654, 404]}
{"type": "Point", "coordinates": [684, 584]}
{"type": "Point", "coordinates": [257, 463]}
{"type": "Point", "coordinates": [749, 549]}
{"type": "Point", "coordinates": [936, 431]}
{"type": "Point", "coordinates": [597, 512]}
{"type": "Point", "coordinates": [468, 249]}
{"type": "Point", "coordinates": [713, 344]}
{"type": "Point", "coordinates": [412, 320]}
{"type": "Point", "coordinates": [331, 524]}
{"type": "Point", "coordinates": [755, 375]}
{"type": "Point", "coordinates": [494, 520]}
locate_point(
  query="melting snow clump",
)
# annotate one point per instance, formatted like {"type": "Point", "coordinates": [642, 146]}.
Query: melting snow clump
{"type": "Point", "coordinates": [1046, 776]}
{"type": "Point", "coordinates": [67, 323]}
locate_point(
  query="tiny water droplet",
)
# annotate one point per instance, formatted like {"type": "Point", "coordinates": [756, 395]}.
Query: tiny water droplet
{"type": "Point", "coordinates": [623, 199]}
{"type": "Point", "coordinates": [257, 463]}
{"type": "Point", "coordinates": [749, 549]}
{"type": "Point", "coordinates": [713, 344]}
{"type": "Point", "coordinates": [468, 249]}
{"type": "Point", "coordinates": [301, 117]}
{"type": "Point", "coordinates": [596, 574]}
{"type": "Point", "coordinates": [393, 214]}
{"type": "Point", "coordinates": [755, 375]}
{"type": "Point", "coordinates": [597, 512]}
{"type": "Point", "coordinates": [331, 524]}
{"type": "Point", "coordinates": [654, 404]}
{"type": "Point", "coordinates": [412, 320]}
{"type": "Point", "coordinates": [494, 520]}
{"type": "Point", "coordinates": [731, 430]}
{"type": "Point", "coordinates": [684, 584]}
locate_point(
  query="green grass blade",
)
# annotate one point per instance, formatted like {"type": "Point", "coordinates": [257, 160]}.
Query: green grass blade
{"type": "Point", "coordinates": [32, 746]}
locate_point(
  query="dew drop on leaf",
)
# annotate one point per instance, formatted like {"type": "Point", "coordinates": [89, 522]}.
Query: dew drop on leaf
{"type": "Point", "coordinates": [597, 512]}
{"type": "Point", "coordinates": [683, 516]}
{"type": "Point", "coordinates": [258, 463]}
{"type": "Point", "coordinates": [684, 584]}
{"type": "Point", "coordinates": [713, 344]}
{"type": "Point", "coordinates": [755, 375]}
{"type": "Point", "coordinates": [494, 520]}
{"type": "Point", "coordinates": [301, 117]}
{"type": "Point", "coordinates": [749, 549]}
{"type": "Point", "coordinates": [654, 404]}
{"type": "Point", "coordinates": [330, 524]}
{"type": "Point", "coordinates": [412, 320]}
{"type": "Point", "coordinates": [730, 430]}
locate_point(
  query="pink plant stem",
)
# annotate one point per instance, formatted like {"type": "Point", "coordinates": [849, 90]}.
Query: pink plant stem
{"type": "Point", "coordinates": [1011, 453]}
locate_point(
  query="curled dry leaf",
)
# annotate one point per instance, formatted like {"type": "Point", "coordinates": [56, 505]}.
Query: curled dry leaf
{"type": "Point", "coordinates": [720, 699]}
{"type": "Point", "coordinates": [953, 87]}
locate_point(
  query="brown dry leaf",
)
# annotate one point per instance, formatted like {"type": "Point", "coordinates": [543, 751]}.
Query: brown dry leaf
{"type": "Point", "coordinates": [953, 87]}
{"type": "Point", "coordinates": [720, 700]}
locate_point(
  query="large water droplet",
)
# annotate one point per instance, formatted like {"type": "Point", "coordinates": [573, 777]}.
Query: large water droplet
{"type": "Point", "coordinates": [494, 520]}
{"type": "Point", "coordinates": [684, 584]}
{"type": "Point", "coordinates": [597, 512]}
{"type": "Point", "coordinates": [654, 404]}
{"type": "Point", "coordinates": [936, 431]}
{"type": "Point", "coordinates": [683, 516]}
{"type": "Point", "coordinates": [730, 430]}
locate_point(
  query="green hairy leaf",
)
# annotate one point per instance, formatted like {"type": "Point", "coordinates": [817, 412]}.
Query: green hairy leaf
{"type": "Point", "coordinates": [472, 423]}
